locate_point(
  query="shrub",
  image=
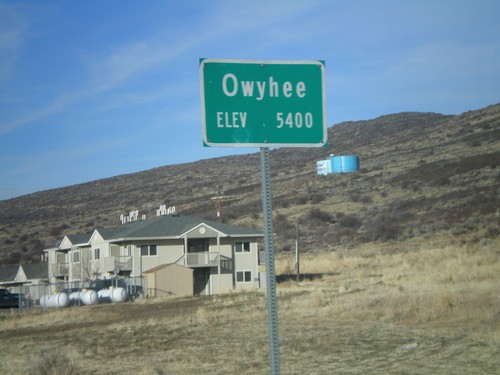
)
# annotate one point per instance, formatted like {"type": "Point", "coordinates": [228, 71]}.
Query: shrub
{"type": "Point", "coordinates": [206, 318]}
{"type": "Point", "coordinates": [317, 299]}
{"type": "Point", "coordinates": [441, 181]}
{"type": "Point", "coordinates": [381, 228]}
{"type": "Point", "coordinates": [56, 230]}
{"type": "Point", "coordinates": [53, 362]}
{"type": "Point", "coordinates": [491, 232]}
{"type": "Point", "coordinates": [280, 222]}
{"type": "Point", "coordinates": [318, 215]}
{"type": "Point", "coordinates": [349, 221]}
{"type": "Point", "coordinates": [301, 200]}
{"type": "Point", "coordinates": [355, 197]}
{"type": "Point", "coordinates": [13, 258]}
{"type": "Point", "coordinates": [8, 241]}
{"type": "Point", "coordinates": [317, 198]}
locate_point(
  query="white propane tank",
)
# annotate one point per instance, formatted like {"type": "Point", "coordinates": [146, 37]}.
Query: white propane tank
{"type": "Point", "coordinates": [54, 300]}
{"type": "Point", "coordinates": [118, 295]}
{"type": "Point", "coordinates": [74, 297]}
{"type": "Point", "coordinates": [104, 295]}
{"type": "Point", "coordinates": [112, 295]}
{"type": "Point", "coordinates": [89, 297]}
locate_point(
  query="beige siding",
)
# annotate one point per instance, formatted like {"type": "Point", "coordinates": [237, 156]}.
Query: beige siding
{"type": "Point", "coordinates": [169, 279]}
{"type": "Point", "coordinates": [114, 250]}
{"type": "Point", "coordinates": [226, 283]}
{"type": "Point", "coordinates": [65, 243]}
{"type": "Point", "coordinates": [151, 290]}
{"type": "Point", "coordinates": [245, 262]}
{"type": "Point", "coordinates": [168, 251]}
{"type": "Point", "coordinates": [226, 247]}
{"type": "Point", "coordinates": [75, 271]}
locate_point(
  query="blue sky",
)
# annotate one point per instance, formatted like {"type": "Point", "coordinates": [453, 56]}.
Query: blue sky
{"type": "Point", "coordinates": [94, 89]}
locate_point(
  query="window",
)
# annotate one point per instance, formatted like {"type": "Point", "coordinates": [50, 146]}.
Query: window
{"type": "Point", "coordinates": [242, 247]}
{"type": "Point", "coordinates": [149, 250]}
{"type": "Point", "coordinates": [243, 276]}
{"type": "Point", "coordinates": [198, 245]}
{"type": "Point", "coordinates": [153, 250]}
{"type": "Point", "coordinates": [76, 256]}
{"type": "Point", "coordinates": [97, 253]}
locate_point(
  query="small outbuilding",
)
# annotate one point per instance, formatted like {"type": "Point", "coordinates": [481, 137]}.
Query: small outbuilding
{"type": "Point", "coordinates": [169, 279]}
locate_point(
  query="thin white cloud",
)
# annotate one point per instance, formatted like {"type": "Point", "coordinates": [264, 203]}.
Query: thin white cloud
{"type": "Point", "coordinates": [12, 29]}
{"type": "Point", "coordinates": [56, 106]}
{"type": "Point", "coordinates": [112, 71]}
{"type": "Point", "coordinates": [438, 73]}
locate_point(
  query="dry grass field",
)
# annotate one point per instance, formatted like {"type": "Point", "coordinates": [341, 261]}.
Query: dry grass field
{"type": "Point", "coordinates": [377, 309]}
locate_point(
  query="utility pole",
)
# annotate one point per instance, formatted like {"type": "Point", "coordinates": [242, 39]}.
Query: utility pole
{"type": "Point", "coordinates": [219, 197]}
{"type": "Point", "coordinates": [219, 212]}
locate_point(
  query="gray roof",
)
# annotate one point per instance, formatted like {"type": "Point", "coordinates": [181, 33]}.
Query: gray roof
{"type": "Point", "coordinates": [32, 271]}
{"type": "Point", "coordinates": [79, 238]}
{"type": "Point", "coordinates": [8, 274]}
{"type": "Point", "coordinates": [36, 270]}
{"type": "Point", "coordinates": [161, 266]}
{"type": "Point", "coordinates": [171, 226]}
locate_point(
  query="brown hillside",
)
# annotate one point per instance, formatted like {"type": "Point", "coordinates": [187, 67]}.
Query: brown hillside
{"type": "Point", "coordinates": [423, 176]}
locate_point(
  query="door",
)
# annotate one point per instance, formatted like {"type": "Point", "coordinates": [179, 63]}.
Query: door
{"type": "Point", "coordinates": [201, 277]}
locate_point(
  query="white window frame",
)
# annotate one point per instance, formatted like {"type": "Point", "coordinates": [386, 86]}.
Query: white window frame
{"type": "Point", "coordinates": [96, 253]}
{"type": "Point", "coordinates": [242, 250]}
{"type": "Point", "coordinates": [243, 273]}
{"type": "Point", "coordinates": [75, 254]}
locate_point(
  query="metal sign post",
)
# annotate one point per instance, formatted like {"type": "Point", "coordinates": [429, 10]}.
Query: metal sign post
{"type": "Point", "coordinates": [272, 309]}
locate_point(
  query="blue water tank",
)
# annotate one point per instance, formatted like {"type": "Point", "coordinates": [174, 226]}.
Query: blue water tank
{"type": "Point", "coordinates": [345, 164]}
{"type": "Point", "coordinates": [336, 164]}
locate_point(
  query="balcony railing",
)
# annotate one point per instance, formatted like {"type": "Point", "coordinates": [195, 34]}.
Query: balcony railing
{"type": "Point", "coordinates": [60, 269]}
{"type": "Point", "coordinates": [205, 259]}
{"type": "Point", "coordinates": [118, 263]}
{"type": "Point", "coordinates": [226, 263]}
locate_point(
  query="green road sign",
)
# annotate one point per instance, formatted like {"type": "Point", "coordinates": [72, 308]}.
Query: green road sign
{"type": "Point", "coordinates": [248, 103]}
